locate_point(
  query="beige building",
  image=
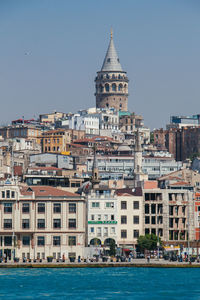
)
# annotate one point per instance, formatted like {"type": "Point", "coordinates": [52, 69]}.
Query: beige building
{"type": "Point", "coordinates": [41, 221]}
{"type": "Point", "coordinates": [130, 217]}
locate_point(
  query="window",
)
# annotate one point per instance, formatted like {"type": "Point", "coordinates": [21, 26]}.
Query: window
{"type": "Point", "coordinates": [7, 208]}
{"type": "Point", "coordinates": [7, 194]}
{"type": "Point", "coordinates": [40, 223]}
{"type": "Point", "coordinates": [12, 194]}
{"type": "Point", "coordinates": [57, 207]}
{"type": "Point", "coordinates": [3, 194]}
{"type": "Point", "coordinates": [153, 220]}
{"type": "Point", "coordinates": [135, 219]}
{"type": "Point", "coordinates": [146, 208]}
{"type": "Point", "coordinates": [135, 204]}
{"type": "Point", "coordinates": [72, 223]}
{"type": "Point", "coordinates": [56, 223]}
{"type": "Point", "coordinates": [147, 220]}
{"type": "Point", "coordinates": [25, 207]}
{"type": "Point", "coordinates": [99, 217]}
{"type": "Point", "coordinates": [72, 240]}
{"type": "Point", "coordinates": [72, 207]}
{"type": "Point", "coordinates": [41, 208]}
{"type": "Point", "coordinates": [8, 241]}
{"type": "Point", "coordinates": [112, 230]}
{"type": "Point", "coordinates": [114, 87]}
{"type": "Point", "coordinates": [40, 241]}
{"type": "Point", "coordinates": [92, 229]}
{"type": "Point", "coordinates": [95, 204]}
{"type": "Point", "coordinates": [109, 204]}
{"type": "Point", "coordinates": [56, 240]}
{"type": "Point", "coordinates": [26, 240]}
{"type": "Point", "coordinates": [153, 208]}
{"type": "Point", "coordinates": [136, 234]}
{"type": "Point", "coordinates": [7, 224]}
{"type": "Point", "coordinates": [123, 219]}
{"type": "Point", "coordinates": [112, 217]}
{"type": "Point", "coordinates": [123, 234]}
{"type": "Point", "coordinates": [25, 223]}
{"type": "Point", "coordinates": [92, 217]}
{"type": "Point", "coordinates": [123, 205]}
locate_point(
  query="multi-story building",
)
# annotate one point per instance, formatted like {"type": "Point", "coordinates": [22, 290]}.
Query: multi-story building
{"type": "Point", "coordinates": [181, 142]}
{"type": "Point", "coordinates": [129, 122]}
{"type": "Point", "coordinates": [102, 217]}
{"type": "Point", "coordinates": [51, 118]}
{"type": "Point", "coordinates": [112, 82]}
{"type": "Point", "coordinates": [118, 166]}
{"type": "Point", "coordinates": [41, 221]}
{"type": "Point", "coordinates": [130, 217]}
{"type": "Point", "coordinates": [169, 214]}
{"type": "Point", "coordinates": [88, 123]}
{"type": "Point", "coordinates": [55, 141]}
{"type": "Point", "coordinates": [20, 131]}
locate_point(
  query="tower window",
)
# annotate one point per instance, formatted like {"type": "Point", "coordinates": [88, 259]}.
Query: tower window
{"type": "Point", "coordinates": [114, 87]}
{"type": "Point", "coordinates": [108, 60]}
{"type": "Point", "coordinates": [118, 59]}
{"type": "Point", "coordinates": [107, 87]}
{"type": "Point", "coordinates": [120, 87]}
{"type": "Point", "coordinates": [107, 104]}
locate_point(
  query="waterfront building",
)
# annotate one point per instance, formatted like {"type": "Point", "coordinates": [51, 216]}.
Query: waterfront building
{"type": "Point", "coordinates": [130, 217]}
{"type": "Point", "coordinates": [41, 221]}
{"type": "Point", "coordinates": [169, 213]}
{"type": "Point", "coordinates": [102, 217]}
{"type": "Point", "coordinates": [112, 82]}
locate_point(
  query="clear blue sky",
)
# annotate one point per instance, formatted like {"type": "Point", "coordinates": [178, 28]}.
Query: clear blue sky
{"type": "Point", "coordinates": [50, 51]}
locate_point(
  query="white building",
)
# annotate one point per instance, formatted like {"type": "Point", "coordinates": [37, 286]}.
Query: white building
{"type": "Point", "coordinates": [102, 217]}
{"type": "Point", "coordinates": [89, 123]}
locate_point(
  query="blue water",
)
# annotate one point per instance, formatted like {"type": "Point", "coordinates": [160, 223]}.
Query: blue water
{"type": "Point", "coordinates": [107, 283]}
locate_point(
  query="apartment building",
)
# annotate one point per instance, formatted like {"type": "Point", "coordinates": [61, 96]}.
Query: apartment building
{"type": "Point", "coordinates": [169, 213]}
{"type": "Point", "coordinates": [102, 217]}
{"type": "Point", "coordinates": [41, 221]}
{"type": "Point", "coordinates": [55, 141]}
{"type": "Point", "coordinates": [130, 217]}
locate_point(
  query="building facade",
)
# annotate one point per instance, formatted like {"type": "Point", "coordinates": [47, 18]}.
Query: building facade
{"type": "Point", "coordinates": [37, 222]}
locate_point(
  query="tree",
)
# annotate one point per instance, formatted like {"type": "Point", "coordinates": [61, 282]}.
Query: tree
{"type": "Point", "coordinates": [148, 242]}
{"type": "Point", "coordinates": [151, 138]}
{"type": "Point", "coordinates": [112, 251]}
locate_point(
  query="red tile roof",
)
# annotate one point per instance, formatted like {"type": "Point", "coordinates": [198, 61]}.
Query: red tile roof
{"type": "Point", "coordinates": [44, 190]}
{"type": "Point", "coordinates": [129, 192]}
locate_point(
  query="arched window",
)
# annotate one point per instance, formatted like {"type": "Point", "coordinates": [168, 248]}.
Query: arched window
{"type": "Point", "coordinates": [119, 76]}
{"type": "Point", "coordinates": [113, 76]}
{"type": "Point", "coordinates": [107, 87]}
{"type": "Point", "coordinates": [114, 87]}
{"type": "Point", "coordinates": [125, 88]}
{"type": "Point", "coordinates": [107, 76]}
{"type": "Point", "coordinates": [107, 104]}
{"type": "Point", "coordinates": [120, 87]}
{"type": "Point", "coordinates": [101, 88]}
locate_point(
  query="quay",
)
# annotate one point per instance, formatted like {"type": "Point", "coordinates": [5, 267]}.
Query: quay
{"type": "Point", "coordinates": [134, 264]}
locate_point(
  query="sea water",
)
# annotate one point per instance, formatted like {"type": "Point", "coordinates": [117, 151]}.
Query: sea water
{"type": "Point", "coordinates": [100, 283]}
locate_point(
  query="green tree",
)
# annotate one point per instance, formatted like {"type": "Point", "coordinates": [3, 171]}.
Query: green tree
{"type": "Point", "coordinates": [112, 251]}
{"type": "Point", "coordinates": [148, 242]}
{"type": "Point", "coordinates": [151, 138]}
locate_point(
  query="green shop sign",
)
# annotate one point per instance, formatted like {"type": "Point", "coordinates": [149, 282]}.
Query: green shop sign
{"type": "Point", "coordinates": [102, 222]}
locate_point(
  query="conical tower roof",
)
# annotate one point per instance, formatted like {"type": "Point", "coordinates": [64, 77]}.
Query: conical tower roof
{"type": "Point", "coordinates": [111, 61]}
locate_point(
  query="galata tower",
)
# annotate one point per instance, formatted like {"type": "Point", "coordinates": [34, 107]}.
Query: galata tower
{"type": "Point", "coordinates": [112, 82]}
